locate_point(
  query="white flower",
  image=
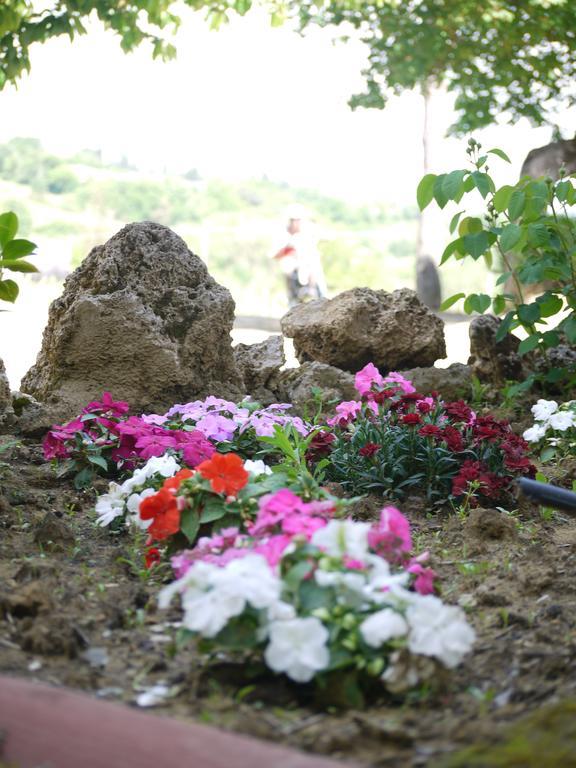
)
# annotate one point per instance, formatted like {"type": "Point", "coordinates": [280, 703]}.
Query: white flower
{"type": "Point", "coordinates": [438, 630]}
{"type": "Point", "coordinates": [165, 465]}
{"type": "Point", "coordinates": [535, 433]}
{"type": "Point", "coordinates": [281, 611]}
{"type": "Point", "coordinates": [257, 468]}
{"type": "Point", "coordinates": [133, 507]}
{"type": "Point", "coordinates": [211, 596]}
{"type": "Point", "coordinates": [298, 648]}
{"type": "Point", "coordinates": [110, 505]}
{"type": "Point", "coordinates": [562, 420]}
{"type": "Point", "coordinates": [383, 626]}
{"type": "Point", "coordinates": [544, 409]}
{"type": "Point", "coordinates": [343, 537]}
{"type": "Point", "coordinates": [384, 586]}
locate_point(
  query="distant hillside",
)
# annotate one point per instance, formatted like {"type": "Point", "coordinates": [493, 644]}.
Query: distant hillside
{"type": "Point", "coordinates": [68, 205]}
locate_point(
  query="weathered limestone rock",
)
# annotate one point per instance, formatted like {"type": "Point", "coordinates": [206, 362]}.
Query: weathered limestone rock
{"type": "Point", "coordinates": [142, 318]}
{"type": "Point", "coordinates": [452, 383]}
{"type": "Point", "coordinates": [492, 361]}
{"type": "Point", "coordinates": [259, 365]}
{"type": "Point", "coordinates": [314, 383]}
{"type": "Point", "coordinates": [6, 411]}
{"type": "Point", "coordinates": [392, 330]}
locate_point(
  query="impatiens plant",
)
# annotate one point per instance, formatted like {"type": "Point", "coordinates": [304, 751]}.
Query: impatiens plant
{"type": "Point", "coordinates": [395, 441]}
{"type": "Point", "coordinates": [336, 603]}
{"type": "Point", "coordinates": [104, 440]}
{"type": "Point", "coordinates": [554, 431]}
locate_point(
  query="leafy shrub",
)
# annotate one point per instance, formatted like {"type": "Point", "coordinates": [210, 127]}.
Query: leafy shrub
{"type": "Point", "coordinates": [530, 218]}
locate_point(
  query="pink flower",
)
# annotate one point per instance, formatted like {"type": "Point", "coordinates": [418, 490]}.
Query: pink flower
{"type": "Point", "coordinates": [424, 583]}
{"type": "Point", "coordinates": [273, 509]}
{"type": "Point", "coordinates": [304, 525]}
{"type": "Point", "coordinates": [345, 412]}
{"type": "Point", "coordinates": [397, 378]}
{"type": "Point", "coordinates": [216, 427]}
{"type": "Point", "coordinates": [107, 405]}
{"type": "Point", "coordinates": [272, 549]}
{"type": "Point", "coordinates": [365, 378]}
{"type": "Point", "coordinates": [390, 537]}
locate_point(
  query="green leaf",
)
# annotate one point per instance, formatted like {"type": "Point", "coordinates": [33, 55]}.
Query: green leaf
{"type": "Point", "coordinates": [452, 185]}
{"type": "Point", "coordinates": [8, 227]}
{"type": "Point", "coordinates": [477, 302]}
{"type": "Point", "coordinates": [16, 249]}
{"type": "Point", "coordinates": [189, 524]}
{"type": "Point", "coordinates": [498, 304]}
{"type": "Point", "coordinates": [502, 198]}
{"type": "Point", "coordinates": [538, 234]}
{"type": "Point", "coordinates": [438, 191]}
{"type": "Point", "coordinates": [425, 191]}
{"type": "Point", "coordinates": [549, 304]}
{"type": "Point", "coordinates": [8, 290]}
{"type": "Point", "coordinates": [569, 328]}
{"type": "Point", "coordinates": [547, 453]}
{"type": "Point", "coordinates": [449, 250]}
{"type": "Point", "coordinates": [213, 509]}
{"type": "Point", "coordinates": [454, 221]}
{"type": "Point", "coordinates": [83, 478]}
{"type": "Point", "coordinates": [478, 243]}
{"type": "Point", "coordinates": [528, 313]}
{"type": "Point", "coordinates": [19, 265]}
{"type": "Point", "coordinates": [499, 153]}
{"type": "Point", "coordinates": [99, 461]}
{"type": "Point", "coordinates": [550, 339]}
{"type": "Point", "coordinates": [562, 190]}
{"type": "Point", "coordinates": [527, 345]}
{"type": "Point", "coordinates": [450, 301]}
{"type": "Point", "coordinates": [503, 278]}
{"type": "Point", "coordinates": [511, 234]}
{"type": "Point", "coordinates": [482, 182]}
{"type": "Point", "coordinates": [516, 204]}
{"type": "Point", "coordinates": [505, 326]}
{"type": "Point", "coordinates": [470, 225]}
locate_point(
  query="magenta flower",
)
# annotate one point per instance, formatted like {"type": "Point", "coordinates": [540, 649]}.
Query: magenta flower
{"type": "Point", "coordinates": [366, 378]}
{"type": "Point", "coordinates": [396, 378]}
{"type": "Point", "coordinates": [107, 405]}
{"type": "Point", "coordinates": [390, 537]}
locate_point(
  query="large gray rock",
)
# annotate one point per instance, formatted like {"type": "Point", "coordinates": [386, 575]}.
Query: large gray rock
{"type": "Point", "coordinates": [493, 361]}
{"type": "Point", "coordinates": [259, 365]}
{"type": "Point", "coordinates": [142, 318]}
{"type": "Point", "coordinates": [392, 330]}
{"type": "Point", "coordinates": [452, 383]}
{"type": "Point", "coordinates": [315, 386]}
{"type": "Point", "coordinates": [6, 411]}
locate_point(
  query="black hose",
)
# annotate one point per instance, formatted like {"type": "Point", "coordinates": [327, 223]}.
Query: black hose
{"type": "Point", "coordinates": [548, 495]}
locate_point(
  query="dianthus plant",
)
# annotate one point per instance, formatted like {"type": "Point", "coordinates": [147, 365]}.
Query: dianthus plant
{"type": "Point", "coordinates": [554, 430]}
{"type": "Point", "coordinates": [239, 428]}
{"type": "Point", "coordinates": [395, 441]}
{"type": "Point", "coordinates": [336, 603]}
{"type": "Point", "coordinates": [104, 439]}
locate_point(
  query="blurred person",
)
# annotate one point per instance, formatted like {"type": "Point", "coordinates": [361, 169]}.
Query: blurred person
{"type": "Point", "coordinates": [299, 258]}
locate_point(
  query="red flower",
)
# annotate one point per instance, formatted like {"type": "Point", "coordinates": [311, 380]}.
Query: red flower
{"type": "Point", "coordinates": [162, 509]}
{"type": "Point", "coordinates": [173, 483]}
{"type": "Point", "coordinates": [423, 407]}
{"type": "Point", "coordinates": [369, 449]}
{"type": "Point", "coordinates": [430, 430]}
{"type": "Point", "coordinates": [152, 557]}
{"type": "Point", "coordinates": [453, 439]}
{"type": "Point", "coordinates": [320, 445]}
{"type": "Point", "coordinates": [383, 395]}
{"type": "Point", "coordinates": [411, 419]}
{"type": "Point", "coordinates": [458, 411]}
{"type": "Point", "coordinates": [226, 473]}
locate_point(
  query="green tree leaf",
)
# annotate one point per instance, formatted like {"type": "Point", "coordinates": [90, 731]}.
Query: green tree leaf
{"type": "Point", "coordinates": [425, 191]}
{"type": "Point", "coordinates": [450, 301]}
{"type": "Point", "coordinates": [502, 198]}
{"type": "Point", "coordinates": [482, 182]}
{"type": "Point", "coordinates": [500, 153]}
{"type": "Point", "coordinates": [9, 290]}
{"type": "Point", "coordinates": [8, 227]}
{"type": "Point", "coordinates": [510, 235]}
{"type": "Point", "coordinates": [17, 249]}
{"type": "Point", "coordinates": [529, 313]}
{"type": "Point", "coordinates": [516, 204]}
{"type": "Point", "coordinates": [477, 302]}
{"type": "Point", "coordinates": [527, 345]}
{"type": "Point", "coordinates": [18, 265]}
{"type": "Point", "coordinates": [478, 243]}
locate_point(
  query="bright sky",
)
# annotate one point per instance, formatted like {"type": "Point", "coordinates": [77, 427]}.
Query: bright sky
{"type": "Point", "coordinates": [242, 101]}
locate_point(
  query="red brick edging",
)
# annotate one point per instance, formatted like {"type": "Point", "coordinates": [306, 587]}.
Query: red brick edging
{"type": "Point", "coordinates": [46, 726]}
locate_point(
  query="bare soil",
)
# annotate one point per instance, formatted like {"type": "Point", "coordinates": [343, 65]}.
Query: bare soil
{"type": "Point", "coordinates": [74, 612]}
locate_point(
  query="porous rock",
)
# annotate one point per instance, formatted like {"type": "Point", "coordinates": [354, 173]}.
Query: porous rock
{"type": "Point", "coordinates": [6, 412]}
{"type": "Point", "coordinates": [493, 361]}
{"type": "Point", "coordinates": [259, 365]}
{"type": "Point", "coordinates": [392, 330]}
{"type": "Point", "coordinates": [452, 383]}
{"type": "Point", "coordinates": [142, 318]}
{"type": "Point", "coordinates": [314, 385]}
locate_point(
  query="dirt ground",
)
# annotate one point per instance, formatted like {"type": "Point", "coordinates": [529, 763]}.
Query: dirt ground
{"type": "Point", "coordinates": [77, 609]}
